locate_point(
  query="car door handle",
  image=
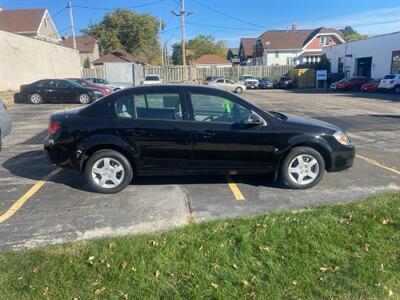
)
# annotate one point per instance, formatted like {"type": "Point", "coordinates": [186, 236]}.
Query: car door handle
{"type": "Point", "coordinates": [208, 133]}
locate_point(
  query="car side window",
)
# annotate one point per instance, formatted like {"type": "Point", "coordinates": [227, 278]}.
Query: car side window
{"type": "Point", "coordinates": [210, 108]}
{"type": "Point", "coordinates": [220, 81]}
{"type": "Point", "coordinates": [164, 106]}
{"type": "Point", "coordinates": [61, 84]}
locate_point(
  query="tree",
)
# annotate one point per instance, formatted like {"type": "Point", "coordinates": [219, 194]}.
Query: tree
{"type": "Point", "coordinates": [202, 44]}
{"type": "Point", "coordinates": [351, 35]}
{"type": "Point", "coordinates": [86, 63]}
{"type": "Point", "coordinates": [136, 33]}
{"type": "Point", "coordinates": [324, 64]}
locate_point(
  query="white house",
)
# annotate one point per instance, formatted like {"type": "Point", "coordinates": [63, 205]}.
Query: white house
{"type": "Point", "coordinates": [373, 57]}
{"type": "Point", "coordinates": [294, 47]}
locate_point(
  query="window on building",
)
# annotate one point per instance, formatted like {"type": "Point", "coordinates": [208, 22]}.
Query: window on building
{"type": "Point", "coordinates": [277, 54]}
{"type": "Point", "coordinates": [324, 41]}
{"type": "Point", "coordinates": [395, 62]}
{"type": "Point", "coordinates": [340, 65]}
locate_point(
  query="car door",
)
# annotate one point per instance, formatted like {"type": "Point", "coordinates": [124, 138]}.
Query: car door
{"type": "Point", "coordinates": [222, 141]}
{"type": "Point", "coordinates": [65, 91]}
{"type": "Point", "coordinates": [48, 90]}
{"type": "Point", "coordinates": [154, 122]}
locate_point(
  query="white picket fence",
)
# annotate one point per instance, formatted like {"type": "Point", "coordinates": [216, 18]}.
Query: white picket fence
{"type": "Point", "coordinates": [190, 73]}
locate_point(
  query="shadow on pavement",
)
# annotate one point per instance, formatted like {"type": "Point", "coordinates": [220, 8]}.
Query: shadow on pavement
{"type": "Point", "coordinates": [34, 165]}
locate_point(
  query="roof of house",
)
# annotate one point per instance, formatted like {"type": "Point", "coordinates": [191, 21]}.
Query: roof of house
{"type": "Point", "coordinates": [211, 59]}
{"type": "Point", "coordinates": [21, 20]}
{"type": "Point", "coordinates": [119, 55]}
{"type": "Point", "coordinates": [235, 51]}
{"type": "Point", "coordinates": [247, 44]}
{"type": "Point", "coordinates": [84, 43]}
{"type": "Point", "coordinates": [291, 39]}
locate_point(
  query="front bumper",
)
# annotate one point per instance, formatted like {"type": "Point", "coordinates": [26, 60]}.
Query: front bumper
{"type": "Point", "coordinates": [342, 159]}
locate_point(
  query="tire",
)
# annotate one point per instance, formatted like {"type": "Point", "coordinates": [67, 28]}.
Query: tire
{"type": "Point", "coordinates": [102, 178]}
{"type": "Point", "coordinates": [397, 89]}
{"type": "Point", "coordinates": [84, 98]}
{"type": "Point", "coordinates": [239, 90]}
{"type": "Point", "coordinates": [36, 98]}
{"type": "Point", "coordinates": [307, 171]}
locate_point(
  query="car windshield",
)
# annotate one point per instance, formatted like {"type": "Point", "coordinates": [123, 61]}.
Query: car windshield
{"type": "Point", "coordinates": [248, 77]}
{"type": "Point", "coordinates": [285, 78]}
{"type": "Point", "coordinates": [152, 78]}
{"type": "Point", "coordinates": [74, 83]}
{"type": "Point", "coordinates": [389, 77]}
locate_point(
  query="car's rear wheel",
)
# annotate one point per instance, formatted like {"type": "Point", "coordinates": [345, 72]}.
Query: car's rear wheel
{"type": "Point", "coordinates": [84, 98]}
{"type": "Point", "coordinates": [108, 171]}
{"type": "Point", "coordinates": [302, 168]}
{"type": "Point", "coordinates": [239, 90]}
{"type": "Point", "coordinates": [36, 98]}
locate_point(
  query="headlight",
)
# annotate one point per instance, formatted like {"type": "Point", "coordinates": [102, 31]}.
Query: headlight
{"type": "Point", "coordinates": [342, 137]}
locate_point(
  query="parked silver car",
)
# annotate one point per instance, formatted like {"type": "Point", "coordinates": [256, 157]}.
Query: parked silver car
{"type": "Point", "coordinates": [114, 86]}
{"type": "Point", "coordinates": [5, 122]}
{"type": "Point", "coordinates": [228, 84]}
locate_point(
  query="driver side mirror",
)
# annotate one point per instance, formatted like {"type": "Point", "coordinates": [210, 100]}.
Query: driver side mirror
{"type": "Point", "coordinates": [255, 120]}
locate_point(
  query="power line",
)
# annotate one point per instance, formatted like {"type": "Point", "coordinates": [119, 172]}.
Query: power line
{"type": "Point", "coordinates": [226, 15]}
{"type": "Point", "coordinates": [111, 9]}
{"type": "Point", "coordinates": [223, 27]}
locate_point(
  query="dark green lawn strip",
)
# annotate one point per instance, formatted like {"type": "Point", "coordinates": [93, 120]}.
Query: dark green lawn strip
{"type": "Point", "coordinates": [340, 251]}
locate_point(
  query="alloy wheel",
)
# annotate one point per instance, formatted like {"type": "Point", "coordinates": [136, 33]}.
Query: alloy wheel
{"type": "Point", "coordinates": [36, 98]}
{"type": "Point", "coordinates": [84, 99]}
{"type": "Point", "coordinates": [303, 169]}
{"type": "Point", "coordinates": [108, 172]}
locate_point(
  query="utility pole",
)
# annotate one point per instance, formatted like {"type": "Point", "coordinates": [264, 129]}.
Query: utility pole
{"type": "Point", "coordinates": [161, 44]}
{"type": "Point", "coordinates": [182, 14]}
{"type": "Point", "coordinates": [183, 32]}
{"type": "Point", "coordinates": [71, 18]}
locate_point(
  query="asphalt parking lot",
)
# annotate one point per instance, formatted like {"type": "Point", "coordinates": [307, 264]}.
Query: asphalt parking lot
{"type": "Point", "coordinates": [37, 208]}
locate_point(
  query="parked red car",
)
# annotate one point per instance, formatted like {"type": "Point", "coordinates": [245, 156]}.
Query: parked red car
{"type": "Point", "coordinates": [351, 84]}
{"type": "Point", "coordinates": [86, 83]}
{"type": "Point", "coordinates": [370, 87]}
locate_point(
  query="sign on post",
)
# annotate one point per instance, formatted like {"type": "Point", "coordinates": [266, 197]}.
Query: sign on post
{"type": "Point", "coordinates": [321, 75]}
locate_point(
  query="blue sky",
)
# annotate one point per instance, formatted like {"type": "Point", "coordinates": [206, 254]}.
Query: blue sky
{"type": "Point", "coordinates": [240, 18]}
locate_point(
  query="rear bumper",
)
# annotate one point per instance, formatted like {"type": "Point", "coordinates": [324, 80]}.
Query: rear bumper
{"type": "Point", "coordinates": [342, 159]}
{"type": "Point", "coordinates": [57, 154]}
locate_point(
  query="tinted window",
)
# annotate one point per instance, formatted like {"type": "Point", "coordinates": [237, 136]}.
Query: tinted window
{"type": "Point", "coordinates": [166, 106]}
{"type": "Point", "coordinates": [389, 77]}
{"type": "Point", "coordinates": [220, 81]}
{"type": "Point", "coordinates": [210, 108]}
{"type": "Point", "coordinates": [61, 84]}
{"type": "Point", "coordinates": [152, 78]}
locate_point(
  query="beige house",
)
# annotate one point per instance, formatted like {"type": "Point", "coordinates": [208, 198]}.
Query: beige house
{"type": "Point", "coordinates": [35, 23]}
{"type": "Point", "coordinates": [86, 45]}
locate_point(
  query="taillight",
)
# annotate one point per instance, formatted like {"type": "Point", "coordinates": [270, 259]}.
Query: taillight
{"type": "Point", "coordinates": [107, 91]}
{"type": "Point", "coordinates": [53, 127]}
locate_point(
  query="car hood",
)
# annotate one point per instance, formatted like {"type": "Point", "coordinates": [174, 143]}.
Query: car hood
{"type": "Point", "coordinates": [295, 120]}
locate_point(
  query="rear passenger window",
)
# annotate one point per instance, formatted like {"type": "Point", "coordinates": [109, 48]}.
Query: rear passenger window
{"type": "Point", "coordinates": [165, 106]}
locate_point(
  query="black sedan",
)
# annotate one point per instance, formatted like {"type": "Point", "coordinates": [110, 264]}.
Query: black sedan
{"type": "Point", "coordinates": [184, 129]}
{"type": "Point", "coordinates": [58, 90]}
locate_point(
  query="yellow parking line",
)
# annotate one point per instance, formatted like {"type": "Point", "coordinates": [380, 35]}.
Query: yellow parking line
{"type": "Point", "coordinates": [374, 162]}
{"type": "Point", "coordinates": [32, 191]}
{"type": "Point", "coordinates": [234, 188]}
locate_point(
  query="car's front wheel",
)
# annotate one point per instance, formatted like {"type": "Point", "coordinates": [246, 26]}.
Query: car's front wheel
{"type": "Point", "coordinates": [302, 168]}
{"type": "Point", "coordinates": [108, 171]}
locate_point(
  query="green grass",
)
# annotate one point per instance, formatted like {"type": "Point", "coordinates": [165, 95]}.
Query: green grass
{"type": "Point", "coordinates": [339, 251]}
